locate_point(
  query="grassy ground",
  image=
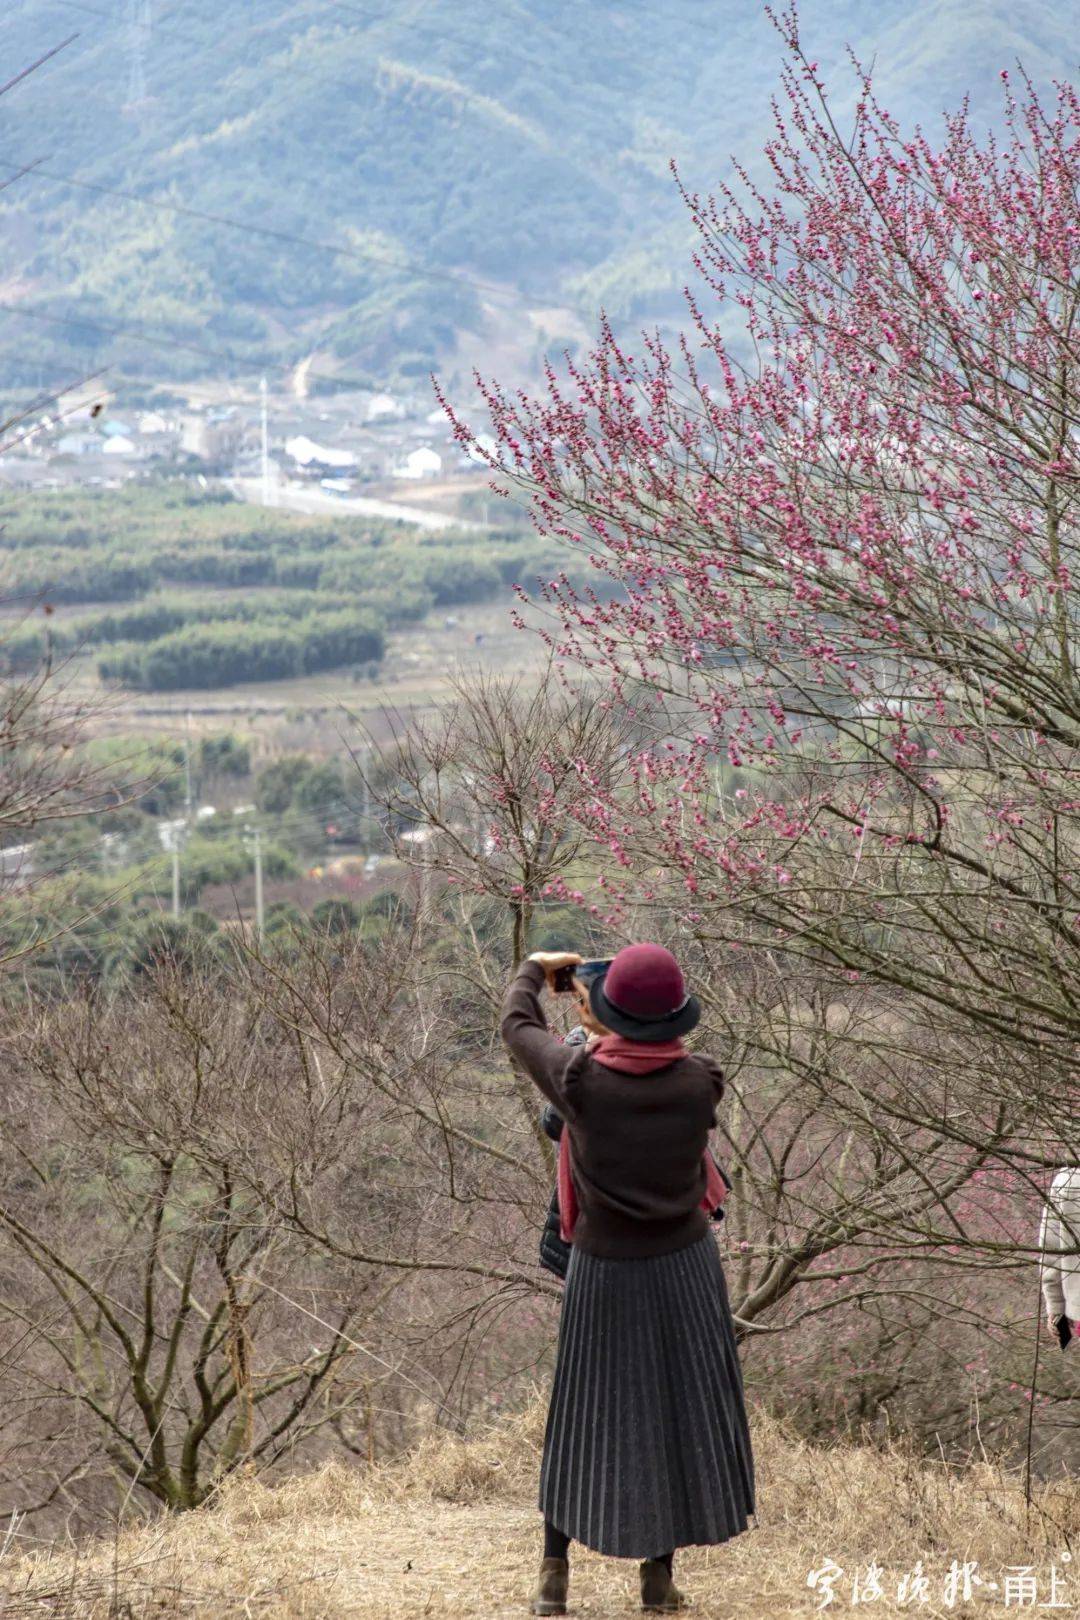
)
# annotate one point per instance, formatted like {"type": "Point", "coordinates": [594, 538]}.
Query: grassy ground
{"type": "Point", "coordinates": [452, 1531]}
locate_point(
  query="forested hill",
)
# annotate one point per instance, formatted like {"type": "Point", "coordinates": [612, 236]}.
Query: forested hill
{"type": "Point", "coordinates": [519, 143]}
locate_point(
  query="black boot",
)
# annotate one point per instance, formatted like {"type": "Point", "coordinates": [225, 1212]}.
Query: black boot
{"type": "Point", "coordinates": [658, 1590]}
{"type": "Point", "coordinates": [551, 1590]}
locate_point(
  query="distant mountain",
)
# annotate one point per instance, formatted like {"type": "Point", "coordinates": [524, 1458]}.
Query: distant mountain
{"type": "Point", "coordinates": [430, 182]}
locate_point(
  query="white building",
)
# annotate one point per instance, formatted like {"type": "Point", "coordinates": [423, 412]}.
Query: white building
{"type": "Point", "coordinates": [422, 463]}
{"type": "Point", "coordinates": [384, 408]}
{"type": "Point", "coordinates": [306, 453]}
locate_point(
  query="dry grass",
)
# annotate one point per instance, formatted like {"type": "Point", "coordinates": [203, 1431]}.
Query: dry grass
{"type": "Point", "coordinates": [452, 1530]}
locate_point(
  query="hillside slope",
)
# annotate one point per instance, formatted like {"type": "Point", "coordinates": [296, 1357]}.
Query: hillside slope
{"type": "Point", "coordinates": [453, 1530]}
{"type": "Point", "coordinates": [450, 161]}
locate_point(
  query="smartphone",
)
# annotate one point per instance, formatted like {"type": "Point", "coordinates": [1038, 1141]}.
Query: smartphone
{"type": "Point", "coordinates": [1064, 1331]}
{"type": "Point", "coordinates": [564, 977]}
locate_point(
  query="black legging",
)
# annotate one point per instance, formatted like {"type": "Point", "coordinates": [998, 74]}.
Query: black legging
{"type": "Point", "coordinates": [557, 1545]}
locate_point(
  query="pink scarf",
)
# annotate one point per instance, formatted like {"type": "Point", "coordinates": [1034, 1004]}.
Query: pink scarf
{"type": "Point", "coordinates": [629, 1057]}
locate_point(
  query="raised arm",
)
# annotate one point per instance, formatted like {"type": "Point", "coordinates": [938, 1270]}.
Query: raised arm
{"type": "Point", "coordinates": [546, 1060]}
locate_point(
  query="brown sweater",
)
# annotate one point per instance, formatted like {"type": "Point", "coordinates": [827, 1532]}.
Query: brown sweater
{"type": "Point", "coordinates": [636, 1141]}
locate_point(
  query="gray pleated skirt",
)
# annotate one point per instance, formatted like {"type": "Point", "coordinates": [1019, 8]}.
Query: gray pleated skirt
{"type": "Point", "coordinates": [647, 1446]}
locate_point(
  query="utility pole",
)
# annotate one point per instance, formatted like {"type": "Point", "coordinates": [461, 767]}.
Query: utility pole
{"type": "Point", "coordinates": [253, 841]}
{"type": "Point", "coordinates": [180, 831]}
{"type": "Point", "coordinates": [189, 804]}
{"type": "Point", "coordinates": [258, 883]}
{"type": "Point", "coordinates": [172, 834]}
{"type": "Point", "coordinates": [365, 798]}
{"type": "Point", "coordinates": [265, 444]}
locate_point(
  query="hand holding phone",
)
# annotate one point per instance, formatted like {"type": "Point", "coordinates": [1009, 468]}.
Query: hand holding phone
{"type": "Point", "coordinates": [1063, 1328]}
{"type": "Point", "coordinates": [584, 972]}
{"type": "Point", "coordinates": [557, 965]}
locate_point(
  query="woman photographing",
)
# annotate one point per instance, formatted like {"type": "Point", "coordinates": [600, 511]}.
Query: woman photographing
{"type": "Point", "coordinates": [647, 1447]}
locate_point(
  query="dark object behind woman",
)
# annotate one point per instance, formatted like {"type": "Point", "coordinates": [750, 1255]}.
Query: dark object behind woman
{"type": "Point", "coordinates": [647, 1447]}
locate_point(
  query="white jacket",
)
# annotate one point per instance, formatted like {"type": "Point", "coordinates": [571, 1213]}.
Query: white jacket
{"type": "Point", "coordinates": [1059, 1233]}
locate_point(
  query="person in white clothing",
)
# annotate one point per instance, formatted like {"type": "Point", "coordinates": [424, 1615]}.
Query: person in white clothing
{"type": "Point", "coordinates": [1059, 1245]}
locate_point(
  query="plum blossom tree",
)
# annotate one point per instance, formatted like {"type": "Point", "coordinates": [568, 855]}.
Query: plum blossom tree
{"type": "Point", "coordinates": [834, 533]}
{"type": "Point", "coordinates": [844, 543]}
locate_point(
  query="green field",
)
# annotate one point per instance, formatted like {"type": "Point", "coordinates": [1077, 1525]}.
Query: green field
{"type": "Point", "coordinates": [233, 659]}
{"type": "Point", "coordinates": [168, 587]}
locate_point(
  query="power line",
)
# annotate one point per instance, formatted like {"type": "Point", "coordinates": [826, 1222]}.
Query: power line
{"type": "Point", "coordinates": [404, 265]}
{"type": "Point", "coordinates": [272, 233]}
{"type": "Point", "coordinates": [292, 821]}
{"type": "Point", "coordinates": [199, 41]}
{"type": "Point", "coordinates": [391, 17]}
{"type": "Point", "coordinates": [362, 255]}
{"type": "Point", "coordinates": [369, 255]}
{"type": "Point", "coordinates": [320, 79]}
{"type": "Point", "coordinates": [48, 55]}
{"type": "Point", "coordinates": [220, 357]}
{"type": "Point", "coordinates": [35, 405]}
{"type": "Point", "coordinates": [147, 867]}
{"type": "Point", "coordinates": [26, 169]}
{"type": "Point", "coordinates": [120, 19]}
{"type": "Point", "coordinates": [18, 171]}
{"type": "Point", "coordinates": [311, 819]}
{"type": "Point", "coordinates": [146, 870]}
{"type": "Point", "coordinates": [65, 865]}
{"type": "Point", "coordinates": [375, 18]}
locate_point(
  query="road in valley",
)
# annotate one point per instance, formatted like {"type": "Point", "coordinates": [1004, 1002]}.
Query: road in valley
{"type": "Point", "coordinates": [319, 502]}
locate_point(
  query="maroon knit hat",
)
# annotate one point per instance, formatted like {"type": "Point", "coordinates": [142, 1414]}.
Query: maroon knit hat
{"type": "Point", "coordinates": [643, 995]}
